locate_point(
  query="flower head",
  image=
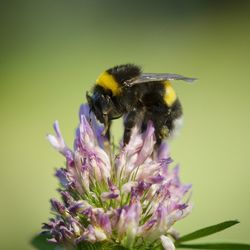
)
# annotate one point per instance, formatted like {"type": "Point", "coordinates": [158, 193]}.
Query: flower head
{"type": "Point", "coordinates": [129, 197]}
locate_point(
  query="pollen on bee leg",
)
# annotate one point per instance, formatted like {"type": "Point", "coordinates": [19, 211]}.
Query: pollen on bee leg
{"type": "Point", "coordinates": [164, 132]}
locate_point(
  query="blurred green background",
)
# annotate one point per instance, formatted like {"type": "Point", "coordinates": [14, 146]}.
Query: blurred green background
{"type": "Point", "coordinates": [51, 54]}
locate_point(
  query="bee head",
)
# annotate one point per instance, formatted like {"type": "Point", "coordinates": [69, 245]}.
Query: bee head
{"type": "Point", "coordinates": [98, 104]}
{"type": "Point", "coordinates": [103, 106]}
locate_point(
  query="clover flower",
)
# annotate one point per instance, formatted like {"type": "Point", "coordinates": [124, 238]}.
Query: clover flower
{"type": "Point", "coordinates": [126, 197]}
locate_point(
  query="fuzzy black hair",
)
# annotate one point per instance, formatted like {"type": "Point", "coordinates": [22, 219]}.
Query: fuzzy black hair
{"type": "Point", "coordinates": [124, 72]}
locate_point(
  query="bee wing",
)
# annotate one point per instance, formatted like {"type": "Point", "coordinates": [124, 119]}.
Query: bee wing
{"type": "Point", "coordinates": [151, 77]}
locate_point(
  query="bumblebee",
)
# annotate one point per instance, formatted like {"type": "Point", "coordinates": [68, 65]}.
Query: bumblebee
{"type": "Point", "coordinates": [125, 90]}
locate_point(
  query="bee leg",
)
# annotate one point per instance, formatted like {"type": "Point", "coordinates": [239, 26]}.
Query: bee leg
{"type": "Point", "coordinates": [158, 142]}
{"type": "Point", "coordinates": [133, 117]}
{"type": "Point", "coordinates": [129, 123]}
{"type": "Point", "coordinates": [161, 131]}
{"type": "Point", "coordinates": [107, 142]}
{"type": "Point", "coordinates": [106, 125]}
{"type": "Point", "coordinates": [158, 136]}
{"type": "Point", "coordinates": [108, 131]}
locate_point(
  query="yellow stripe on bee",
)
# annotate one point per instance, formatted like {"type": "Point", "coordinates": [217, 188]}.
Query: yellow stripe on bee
{"type": "Point", "coordinates": [107, 81]}
{"type": "Point", "coordinates": [170, 95]}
